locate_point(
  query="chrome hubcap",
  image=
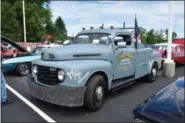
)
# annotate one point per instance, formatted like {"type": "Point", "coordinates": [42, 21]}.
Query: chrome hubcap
{"type": "Point", "coordinates": [99, 92]}
{"type": "Point", "coordinates": [154, 72]}
{"type": "Point", "coordinates": [24, 69]}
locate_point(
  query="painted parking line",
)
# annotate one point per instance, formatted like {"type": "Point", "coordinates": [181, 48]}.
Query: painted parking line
{"type": "Point", "coordinates": [31, 105]}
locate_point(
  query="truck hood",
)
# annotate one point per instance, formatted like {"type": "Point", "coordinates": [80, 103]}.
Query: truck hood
{"type": "Point", "coordinates": [77, 51]}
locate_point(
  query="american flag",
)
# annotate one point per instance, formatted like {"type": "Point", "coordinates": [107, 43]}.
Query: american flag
{"type": "Point", "coordinates": [136, 32]}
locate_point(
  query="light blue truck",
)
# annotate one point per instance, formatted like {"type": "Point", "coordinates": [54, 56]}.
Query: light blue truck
{"type": "Point", "coordinates": [97, 61]}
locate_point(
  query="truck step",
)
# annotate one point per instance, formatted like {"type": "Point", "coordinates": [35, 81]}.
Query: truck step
{"type": "Point", "coordinates": [120, 83]}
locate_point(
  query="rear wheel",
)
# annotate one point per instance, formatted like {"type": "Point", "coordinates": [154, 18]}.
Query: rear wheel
{"type": "Point", "coordinates": [23, 69]}
{"type": "Point", "coordinates": [151, 77]}
{"type": "Point", "coordinates": [95, 93]}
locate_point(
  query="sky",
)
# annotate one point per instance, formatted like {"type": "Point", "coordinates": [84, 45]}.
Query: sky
{"type": "Point", "coordinates": [150, 14]}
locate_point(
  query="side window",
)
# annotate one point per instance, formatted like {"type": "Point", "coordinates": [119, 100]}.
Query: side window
{"type": "Point", "coordinates": [118, 39]}
{"type": "Point", "coordinates": [123, 38]}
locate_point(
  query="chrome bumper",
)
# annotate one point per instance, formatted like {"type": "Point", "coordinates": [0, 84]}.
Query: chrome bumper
{"type": "Point", "coordinates": [56, 94]}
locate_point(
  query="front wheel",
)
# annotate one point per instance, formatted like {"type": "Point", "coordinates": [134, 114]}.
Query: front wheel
{"type": "Point", "coordinates": [151, 77]}
{"type": "Point", "coordinates": [95, 93]}
{"type": "Point", "coordinates": [23, 69]}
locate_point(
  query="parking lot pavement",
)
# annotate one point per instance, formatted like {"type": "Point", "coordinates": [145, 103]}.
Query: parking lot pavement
{"type": "Point", "coordinates": [118, 105]}
{"type": "Point", "coordinates": [18, 111]}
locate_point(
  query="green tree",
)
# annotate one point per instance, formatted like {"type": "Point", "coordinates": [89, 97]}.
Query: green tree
{"type": "Point", "coordinates": [174, 34]}
{"type": "Point", "coordinates": [151, 37]}
{"type": "Point", "coordinates": [159, 36]}
{"type": "Point", "coordinates": [60, 26]}
{"type": "Point", "coordinates": [60, 29]}
{"type": "Point", "coordinates": [143, 34]}
{"type": "Point", "coordinates": [50, 28]}
{"type": "Point", "coordinates": [36, 19]}
{"type": "Point", "coordinates": [9, 22]}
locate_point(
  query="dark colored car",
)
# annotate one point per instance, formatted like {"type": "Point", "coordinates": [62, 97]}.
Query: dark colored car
{"type": "Point", "coordinates": [165, 106]}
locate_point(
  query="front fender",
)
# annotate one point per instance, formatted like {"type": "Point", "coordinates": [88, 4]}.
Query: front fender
{"type": "Point", "coordinates": [77, 72]}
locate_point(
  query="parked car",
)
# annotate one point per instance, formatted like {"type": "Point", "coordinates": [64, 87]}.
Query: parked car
{"type": "Point", "coordinates": [148, 46]}
{"type": "Point", "coordinates": [165, 106]}
{"type": "Point", "coordinates": [178, 41]}
{"type": "Point", "coordinates": [177, 52]}
{"type": "Point", "coordinates": [16, 58]}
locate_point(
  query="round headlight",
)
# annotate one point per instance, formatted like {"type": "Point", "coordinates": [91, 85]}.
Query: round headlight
{"type": "Point", "coordinates": [60, 75]}
{"type": "Point", "coordinates": [34, 69]}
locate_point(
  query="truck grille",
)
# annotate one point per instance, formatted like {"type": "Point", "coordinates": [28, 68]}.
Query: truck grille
{"type": "Point", "coordinates": [47, 75]}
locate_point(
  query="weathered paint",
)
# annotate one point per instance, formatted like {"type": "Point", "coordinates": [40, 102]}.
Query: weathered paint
{"type": "Point", "coordinates": [80, 61]}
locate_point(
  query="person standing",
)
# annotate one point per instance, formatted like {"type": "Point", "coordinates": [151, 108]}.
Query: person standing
{"type": "Point", "coordinates": [4, 98]}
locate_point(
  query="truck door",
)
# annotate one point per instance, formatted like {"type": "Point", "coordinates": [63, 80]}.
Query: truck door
{"type": "Point", "coordinates": [124, 57]}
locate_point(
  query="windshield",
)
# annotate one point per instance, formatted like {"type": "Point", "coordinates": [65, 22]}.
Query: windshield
{"type": "Point", "coordinates": [92, 38]}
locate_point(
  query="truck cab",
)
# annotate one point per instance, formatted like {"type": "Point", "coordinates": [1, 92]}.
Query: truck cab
{"type": "Point", "coordinates": [97, 61]}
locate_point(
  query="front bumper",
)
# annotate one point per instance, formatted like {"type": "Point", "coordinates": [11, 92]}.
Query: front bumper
{"type": "Point", "coordinates": [57, 94]}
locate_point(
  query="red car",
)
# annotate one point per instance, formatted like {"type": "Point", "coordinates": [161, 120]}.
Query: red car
{"type": "Point", "coordinates": [7, 50]}
{"type": "Point", "coordinates": [177, 52]}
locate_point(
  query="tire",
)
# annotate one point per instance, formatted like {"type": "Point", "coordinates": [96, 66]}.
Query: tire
{"type": "Point", "coordinates": [151, 77]}
{"type": "Point", "coordinates": [23, 69]}
{"type": "Point", "coordinates": [92, 101]}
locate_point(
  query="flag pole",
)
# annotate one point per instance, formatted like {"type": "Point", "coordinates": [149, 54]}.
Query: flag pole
{"type": "Point", "coordinates": [170, 32]}
{"type": "Point", "coordinates": [24, 24]}
{"type": "Point", "coordinates": [169, 64]}
{"type": "Point", "coordinates": [135, 33]}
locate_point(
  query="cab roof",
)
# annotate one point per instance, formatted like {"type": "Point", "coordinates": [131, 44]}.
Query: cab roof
{"type": "Point", "coordinates": [108, 30]}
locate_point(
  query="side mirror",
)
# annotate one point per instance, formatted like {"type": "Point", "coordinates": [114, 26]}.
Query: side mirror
{"type": "Point", "coordinates": [121, 44]}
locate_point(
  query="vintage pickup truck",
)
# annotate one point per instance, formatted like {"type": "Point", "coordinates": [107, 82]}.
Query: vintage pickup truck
{"type": "Point", "coordinates": [97, 61]}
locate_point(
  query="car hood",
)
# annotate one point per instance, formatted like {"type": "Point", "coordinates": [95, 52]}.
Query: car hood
{"type": "Point", "coordinates": [13, 44]}
{"type": "Point", "coordinates": [77, 51]}
{"type": "Point", "coordinates": [150, 107]}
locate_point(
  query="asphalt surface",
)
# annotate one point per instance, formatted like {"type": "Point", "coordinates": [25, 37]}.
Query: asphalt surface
{"type": "Point", "coordinates": [117, 107]}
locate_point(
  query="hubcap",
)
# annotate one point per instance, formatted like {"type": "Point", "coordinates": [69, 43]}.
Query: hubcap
{"type": "Point", "coordinates": [99, 93]}
{"type": "Point", "coordinates": [24, 69]}
{"type": "Point", "coordinates": [154, 72]}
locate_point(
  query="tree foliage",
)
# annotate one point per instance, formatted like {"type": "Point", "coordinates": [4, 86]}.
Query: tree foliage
{"type": "Point", "coordinates": [38, 20]}
{"type": "Point", "coordinates": [60, 29]}
{"type": "Point", "coordinates": [155, 36]}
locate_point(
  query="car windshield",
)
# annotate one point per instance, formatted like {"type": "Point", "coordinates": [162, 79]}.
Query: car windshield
{"type": "Point", "coordinates": [37, 50]}
{"type": "Point", "coordinates": [92, 38]}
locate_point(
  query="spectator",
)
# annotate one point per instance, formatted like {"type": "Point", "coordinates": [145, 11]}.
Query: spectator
{"type": "Point", "coordinates": [4, 98]}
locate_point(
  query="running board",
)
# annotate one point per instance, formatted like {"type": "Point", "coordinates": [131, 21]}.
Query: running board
{"type": "Point", "coordinates": [121, 83]}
